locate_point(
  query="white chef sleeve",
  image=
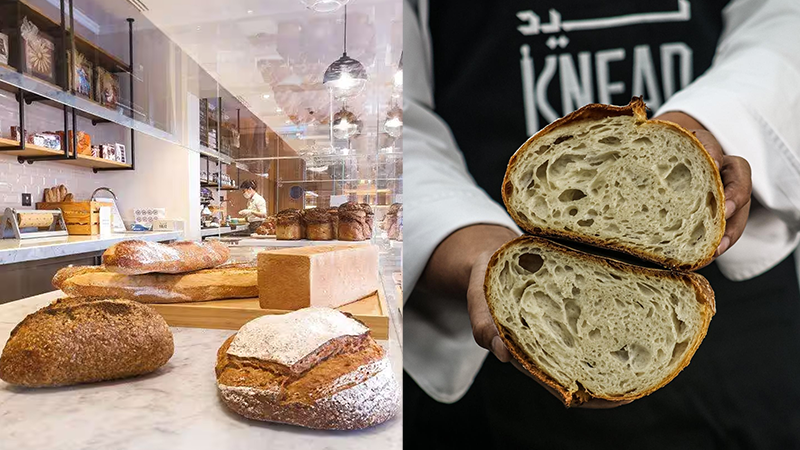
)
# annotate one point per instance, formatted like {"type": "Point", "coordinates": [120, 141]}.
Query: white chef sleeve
{"type": "Point", "coordinates": [750, 99]}
{"type": "Point", "coordinates": [439, 193]}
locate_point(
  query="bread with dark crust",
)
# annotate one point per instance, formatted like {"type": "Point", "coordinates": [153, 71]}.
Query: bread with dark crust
{"type": "Point", "coordinates": [136, 257]}
{"type": "Point", "coordinates": [319, 225]}
{"type": "Point", "coordinates": [76, 341]}
{"type": "Point", "coordinates": [289, 225]}
{"type": "Point", "coordinates": [541, 145]}
{"type": "Point", "coordinates": [494, 291]}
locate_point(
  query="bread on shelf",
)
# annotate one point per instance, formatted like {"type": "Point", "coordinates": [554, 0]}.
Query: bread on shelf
{"type": "Point", "coordinates": [352, 222]}
{"type": "Point", "coordinates": [289, 225]}
{"type": "Point", "coordinates": [319, 225]}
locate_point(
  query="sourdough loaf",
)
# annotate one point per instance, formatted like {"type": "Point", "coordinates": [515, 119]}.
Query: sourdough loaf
{"type": "Point", "coordinates": [592, 327]}
{"type": "Point", "coordinates": [80, 341]}
{"type": "Point", "coordinates": [316, 368]}
{"type": "Point", "coordinates": [606, 176]}
{"type": "Point", "coordinates": [325, 275]}
{"type": "Point", "coordinates": [319, 225]}
{"type": "Point", "coordinates": [227, 281]}
{"type": "Point", "coordinates": [289, 225]}
{"type": "Point", "coordinates": [135, 257]}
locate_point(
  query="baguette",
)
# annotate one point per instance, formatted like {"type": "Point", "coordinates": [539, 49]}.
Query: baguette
{"type": "Point", "coordinates": [76, 341]}
{"type": "Point", "coordinates": [606, 176]}
{"type": "Point", "coordinates": [62, 192]}
{"type": "Point", "coordinates": [591, 327]}
{"type": "Point", "coordinates": [136, 257]}
{"type": "Point", "coordinates": [316, 368]}
{"type": "Point", "coordinates": [230, 281]}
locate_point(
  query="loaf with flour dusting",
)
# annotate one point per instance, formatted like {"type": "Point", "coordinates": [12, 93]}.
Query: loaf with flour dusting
{"type": "Point", "coordinates": [136, 257]}
{"type": "Point", "coordinates": [316, 368]}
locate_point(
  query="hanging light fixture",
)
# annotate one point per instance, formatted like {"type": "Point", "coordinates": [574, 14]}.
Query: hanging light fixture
{"type": "Point", "coordinates": [398, 76]}
{"type": "Point", "coordinates": [345, 77]}
{"type": "Point", "coordinates": [345, 124]}
{"type": "Point", "coordinates": [394, 122]}
{"type": "Point", "coordinates": [324, 5]}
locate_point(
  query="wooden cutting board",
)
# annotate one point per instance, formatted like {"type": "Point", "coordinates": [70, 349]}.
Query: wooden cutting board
{"type": "Point", "coordinates": [232, 314]}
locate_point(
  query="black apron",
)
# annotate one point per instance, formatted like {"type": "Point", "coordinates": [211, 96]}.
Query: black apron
{"type": "Point", "coordinates": [503, 70]}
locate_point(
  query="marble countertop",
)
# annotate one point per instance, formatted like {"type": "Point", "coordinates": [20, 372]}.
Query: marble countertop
{"type": "Point", "coordinates": [21, 250]}
{"type": "Point", "coordinates": [176, 407]}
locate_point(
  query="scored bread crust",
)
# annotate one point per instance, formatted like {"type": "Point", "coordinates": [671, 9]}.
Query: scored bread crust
{"type": "Point", "coordinates": [638, 110]}
{"type": "Point", "coordinates": [701, 286]}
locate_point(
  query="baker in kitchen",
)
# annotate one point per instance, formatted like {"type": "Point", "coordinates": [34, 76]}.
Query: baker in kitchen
{"type": "Point", "coordinates": [487, 75]}
{"type": "Point", "coordinates": [256, 210]}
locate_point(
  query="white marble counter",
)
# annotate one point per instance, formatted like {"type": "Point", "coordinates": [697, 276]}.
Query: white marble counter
{"type": "Point", "coordinates": [21, 250]}
{"type": "Point", "coordinates": [174, 408]}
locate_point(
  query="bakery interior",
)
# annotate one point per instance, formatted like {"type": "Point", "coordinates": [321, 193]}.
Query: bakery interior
{"type": "Point", "coordinates": [202, 165]}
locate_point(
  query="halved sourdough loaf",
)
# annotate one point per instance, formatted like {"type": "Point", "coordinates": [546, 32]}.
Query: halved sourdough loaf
{"type": "Point", "coordinates": [593, 327]}
{"type": "Point", "coordinates": [606, 176]}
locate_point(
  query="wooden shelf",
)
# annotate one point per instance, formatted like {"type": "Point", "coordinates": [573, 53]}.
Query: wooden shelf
{"type": "Point", "coordinates": [82, 160]}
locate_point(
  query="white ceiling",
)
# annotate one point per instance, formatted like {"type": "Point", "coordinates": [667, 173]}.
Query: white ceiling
{"type": "Point", "coordinates": [273, 53]}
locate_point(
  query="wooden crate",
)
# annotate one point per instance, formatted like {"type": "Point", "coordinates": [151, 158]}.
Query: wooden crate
{"type": "Point", "coordinates": [232, 314]}
{"type": "Point", "coordinates": [82, 218]}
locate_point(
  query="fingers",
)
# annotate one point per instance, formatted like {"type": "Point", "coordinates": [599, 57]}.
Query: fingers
{"type": "Point", "coordinates": [711, 145]}
{"type": "Point", "coordinates": [735, 174]}
{"type": "Point", "coordinates": [734, 228]}
{"type": "Point", "coordinates": [483, 327]}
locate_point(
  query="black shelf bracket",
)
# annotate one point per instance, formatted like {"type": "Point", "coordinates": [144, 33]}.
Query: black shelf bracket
{"type": "Point", "coordinates": [132, 160]}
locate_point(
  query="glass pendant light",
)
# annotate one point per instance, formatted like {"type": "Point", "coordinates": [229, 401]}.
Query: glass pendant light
{"type": "Point", "coordinates": [394, 122]}
{"type": "Point", "coordinates": [345, 124]}
{"type": "Point", "coordinates": [324, 5]}
{"type": "Point", "coordinates": [345, 77]}
{"type": "Point", "coordinates": [398, 76]}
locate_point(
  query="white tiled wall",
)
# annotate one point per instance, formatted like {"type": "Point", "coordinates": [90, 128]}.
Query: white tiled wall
{"type": "Point", "coordinates": [16, 178]}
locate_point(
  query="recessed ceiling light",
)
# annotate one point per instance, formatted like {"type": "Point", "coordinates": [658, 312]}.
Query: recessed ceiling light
{"type": "Point", "coordinates": [265, 96]}
{"type": "Point", "coordinates": [249, 11]}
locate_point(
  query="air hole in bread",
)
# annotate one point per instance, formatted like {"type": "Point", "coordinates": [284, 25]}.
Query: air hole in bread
{"type": "Point", "coordinates": [579, 146]}
{"type": "Point", "coordinates": [673, 159]}
{"type": "Point", "coordinates": [622, 355]}
{"type": "Point", "coordinates": [571, 195]}
{"type": "Point", "coordinates": [677, 352]}
{"type": "Point", "coordinates": [679, 325]}
{"type": "Point", "coordinates": [643, 141]}
{"type": "Point", "coordinates": [562, 333]}
{"type": "Point", "coordinates": [646, 289]}
{"type": "Point", "coordinates": [541, 172]}
{"type": "Point", "coordinates": [615, 276]}
{"type": "Point", "coordinates": [509, 188]}
{"type": "Point", "coordinates": [561, 165]}
{"type": "Point", "coordinates": [575, 290]}
{"type": "Point", "coordinates": [662, 191]}
{"type": "Point", "coordinates": [586, 222]}
{"type": "Point", "coordinates": [640, 356]}
{"type": "Point", "coordinates": [610, 140]}
{"type": "Point", "coordinates": [594, 334]}
{"type": "Point", "coordinates": [588, 364]}
{"type": "Point", "coordinates": [572, 211]}
{"type": "Point", "coordinates": [531, 262]}
{"type": "Point", "coordinates": [679, 178]}
{"type": "Point", "coordinates": [523, 322]}
{"type": "Point", "coordinates": [573, 312]}
{"type": "Point", "coordinates": [556, 213]}
{"type": "Point", "coordinates": [561, 139]}
{"type": "Point", "coordinates": [542, 149]}
{"type": "Point", "coordinates": [698, 233]}
{"type": "Point", "coordinates": [650, 314]}
{"type": "Point", "coordinates": [662, 213]}
{"type": "Point", "coordinates": [603, 158]}
{"type": "Point", "coordinates": [676, 226]}
{"type": "Point", "coordinates": [711, 201]}
{"type": "Point", "coordinates": [612, 228]}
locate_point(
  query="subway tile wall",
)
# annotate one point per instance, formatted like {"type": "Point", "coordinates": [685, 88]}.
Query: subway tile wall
{"type": "Point", "coordinates": [16, 179]}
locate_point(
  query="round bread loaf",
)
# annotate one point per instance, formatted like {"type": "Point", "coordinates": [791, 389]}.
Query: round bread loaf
{"type": "Point", "coordinates": [76, 341]}
{"type": "Point", "coordinates": [353, 222]}
{"type": "Point", "coordinates": [315, 367]}
{"type": "Point", "coordinates": [319, 225]}
{"type": "Point", "coordinates": [289, 225]}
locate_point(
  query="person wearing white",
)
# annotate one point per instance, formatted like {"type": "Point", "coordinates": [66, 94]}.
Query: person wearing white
{"type": "Point", "coordinates": [256, 210]}
{"type": "Point", "coordinates": [746, 104]}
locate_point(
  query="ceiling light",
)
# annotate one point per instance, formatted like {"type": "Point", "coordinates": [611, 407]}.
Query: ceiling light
{"type": "Point", "coordinates": [324, 5]}
{"type": "Point", "coordinates": [394, 122]}
{"type": "Point", "coordinates": [265, 96]}
{"type": "Point", "coordinates": [278, 110]}
{"type": "Point", "coordinates": [249, 11]}
{"type": "Point", "coordinates": [345, 124]}
{"type": "Point", "coordinates": [345, 77]}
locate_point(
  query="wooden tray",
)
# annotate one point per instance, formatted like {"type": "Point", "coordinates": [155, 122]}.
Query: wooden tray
{"type": "Point", "coordinates": [232, 314]}
{"type": "Point", "coordinates": [82, 218]}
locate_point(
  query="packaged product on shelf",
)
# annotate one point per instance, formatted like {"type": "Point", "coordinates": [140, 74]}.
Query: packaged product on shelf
{"type": "Point", "coordinates": [15, 132]}
{"type": "Point", "coordinates": [84, 142]}
{"type": "Point", "coordinates": [96, 151]}
{"type": "Point", "coordinates": [120, 152]}
{"type": "Point", "coordinates": [107, 151]}
{"type": "Point", "coordinates": [39, 52]}
{"type": "Point", "coordinates": [107, 91]}
{"type": "Point", "coordinates": [81, 75]}
{"type": "Point", "coordinates": [46, 139]}
{"type": "Point", "coordinates": [3, 48]}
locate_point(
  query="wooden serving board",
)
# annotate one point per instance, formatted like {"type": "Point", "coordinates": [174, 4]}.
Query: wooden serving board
{"type": "Point", "coordinates": [232, 314]}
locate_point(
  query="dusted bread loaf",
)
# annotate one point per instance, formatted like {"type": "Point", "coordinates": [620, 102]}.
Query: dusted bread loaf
{"type": "Point", "coordinates": [80, 341]}
{"type": "Point", "coordinates": [139, 257]}
{"type": "Point", "coordinates": [319, 225]}
{"type": "Point", "coordinates": [606, 176]}
{"type": "Point", "coordinates": [316, 368]}
{"type": "Point", "coordinates": [592, 327]}
{"type": "Point", "coordinates": [227, 281]}
{"type": "Point", "coordinates": [289, 225]}
{"type": "Point", "coordinates": [325, 275]}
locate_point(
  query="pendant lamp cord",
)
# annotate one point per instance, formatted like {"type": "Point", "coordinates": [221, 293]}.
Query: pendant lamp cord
{"type": "Point", "coordinates": [345, 30]}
